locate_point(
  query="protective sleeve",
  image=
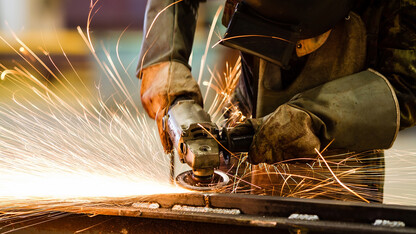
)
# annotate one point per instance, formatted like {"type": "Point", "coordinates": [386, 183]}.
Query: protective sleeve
{"type": "Point", "coordinates": [168, 32]}
{"type": "Point", "coordinates": [360, 112]}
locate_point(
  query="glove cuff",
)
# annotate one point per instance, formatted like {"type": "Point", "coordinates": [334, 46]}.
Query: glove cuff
{"type": "Point", "coordinates": [359, 111]}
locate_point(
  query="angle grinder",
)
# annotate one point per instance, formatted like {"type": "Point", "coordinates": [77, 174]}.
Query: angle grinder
{"type": "Point", "coordinates": [200, 144]}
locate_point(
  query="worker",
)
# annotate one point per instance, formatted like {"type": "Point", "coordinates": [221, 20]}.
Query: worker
{"type": "Point", "coordinates": [312, 71]}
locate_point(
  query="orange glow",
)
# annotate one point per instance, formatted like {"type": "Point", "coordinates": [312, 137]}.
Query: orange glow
{"type": "Point", "coordinates": [58, 185]}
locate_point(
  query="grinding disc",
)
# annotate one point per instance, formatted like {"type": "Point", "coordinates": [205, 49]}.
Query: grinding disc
{"type": "Point", "coordinates": [189, 181]}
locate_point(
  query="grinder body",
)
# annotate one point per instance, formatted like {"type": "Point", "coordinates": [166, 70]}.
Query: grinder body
{"type": "Point", "coordinates": [199, 143]}
{"type": "Point", "coordinates": [188, 125]}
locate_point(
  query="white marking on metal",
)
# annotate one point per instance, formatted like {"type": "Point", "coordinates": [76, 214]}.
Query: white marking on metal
{"type": "Point", "coordinates": [206, 209]}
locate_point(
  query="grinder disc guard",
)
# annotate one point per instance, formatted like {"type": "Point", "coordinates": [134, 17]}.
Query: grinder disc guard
{"type": "Point", "coordinates": [187, 180]}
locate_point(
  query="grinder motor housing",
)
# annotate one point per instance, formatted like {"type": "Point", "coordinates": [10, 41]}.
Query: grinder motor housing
{"type": "Point", "coordinates": [188, 125]}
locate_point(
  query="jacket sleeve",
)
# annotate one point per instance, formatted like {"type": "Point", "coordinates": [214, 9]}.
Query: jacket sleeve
{"type": "Point", "coordinates": [359, 111]}
{"type": "Point", "coordinates": [163, 63]}
{"type": "Point", "coordinates": [168, 32]}
{"type": "Point", "coordinates": [362, 112]}
{"type": "Point", "coordinates": [392, 49]}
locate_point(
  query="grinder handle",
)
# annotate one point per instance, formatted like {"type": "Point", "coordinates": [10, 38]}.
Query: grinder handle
{"type": "Point", "coordinates": [235, 143]}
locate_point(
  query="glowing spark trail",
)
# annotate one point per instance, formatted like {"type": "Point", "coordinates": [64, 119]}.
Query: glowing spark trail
{"type": "Point", "coordinates": [336, 178]}
{"type": "Point", "coordinates": [57, 143]}
{"type": "Point", "coordinates": [204, 56]}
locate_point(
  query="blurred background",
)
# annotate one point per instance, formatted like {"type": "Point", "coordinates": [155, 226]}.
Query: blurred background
{"type": "Point", "coordinates": [49, 28]}
{"type": "Point", "coordinates": [115, 26]}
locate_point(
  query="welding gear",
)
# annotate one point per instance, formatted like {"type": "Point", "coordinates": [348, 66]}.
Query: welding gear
{"type": "Point", "coordinates": [264, 86]}
{"type": "Point", "coordinates": [374, 34]}
{"type": "Point", "coordinates": [359, 111]}
{"type": "Point", "coordinates": [346, 110]}
{"type": "Point", "coordinates": [378, 37]}
{"type": "Point", "coordinates": [272, 29]}
{"type": "Point", "coordinates": [342, 54]}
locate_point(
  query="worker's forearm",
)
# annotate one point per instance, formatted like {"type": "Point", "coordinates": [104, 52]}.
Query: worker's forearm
{"type": "Point", "coordinates": [168, 32]}
{"type": "Point", "coordinates": [359, 111]}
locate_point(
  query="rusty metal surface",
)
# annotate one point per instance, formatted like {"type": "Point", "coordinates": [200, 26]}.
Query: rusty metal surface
{"type": "Point", "coordinates": [78, 223]}
{"type": "Point", "coordinates": [204, 213]}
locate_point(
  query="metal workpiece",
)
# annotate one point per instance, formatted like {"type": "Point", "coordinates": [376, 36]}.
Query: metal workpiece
{"type": "Point", "coordinates": [231, 213]}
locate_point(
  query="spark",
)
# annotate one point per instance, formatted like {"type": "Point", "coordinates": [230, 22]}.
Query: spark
{"type": "Point", "coordinates": [59, 139]}
{"type": "Point", "coordinates": [211, 31]}
{"type": "Point", "coordinates": [91, 15]}
{"type": "Point", "coordinates": [59, 185]}
{"type": "Point", "coordinates": [7, 72]}
{"type": "Point", "coordinates": [337, 179]}
{"type": "Point", "coordinates": [253, 35]}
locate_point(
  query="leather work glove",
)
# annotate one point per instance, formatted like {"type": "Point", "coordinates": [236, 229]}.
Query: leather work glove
{"type": "Point", "coordinates": [284, 134]}
{"type": "Point", "coordinates": [162, 84]}
{"type": "Point", "coordinates": [359, 112]}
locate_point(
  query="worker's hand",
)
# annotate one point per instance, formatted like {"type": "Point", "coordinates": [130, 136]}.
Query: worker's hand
{"type": "Point", "coordinates": [161, 84]}
{"type": "Point", "coordinates": [286, 133]}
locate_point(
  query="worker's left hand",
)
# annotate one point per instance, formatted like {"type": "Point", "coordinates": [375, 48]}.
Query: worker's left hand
{"type": "Point", "coordinates": [285, 134]}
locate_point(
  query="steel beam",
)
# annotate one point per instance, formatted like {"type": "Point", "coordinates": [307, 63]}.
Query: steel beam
{"type": "Point", "coordinates": [205, 212]}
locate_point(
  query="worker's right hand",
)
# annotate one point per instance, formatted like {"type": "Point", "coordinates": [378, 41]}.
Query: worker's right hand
{"type": "Point", "coordinates": [162, 83]}
{"type": "Point", "coordinates": [285, 134]}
